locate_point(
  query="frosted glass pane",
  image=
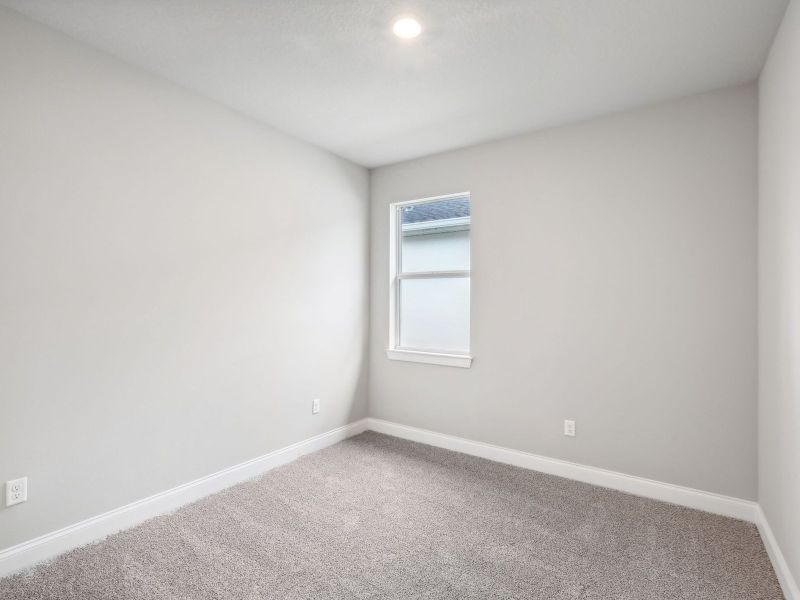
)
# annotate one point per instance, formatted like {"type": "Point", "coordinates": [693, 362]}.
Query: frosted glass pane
{"type": "Point", "coordinates": [445, 251]}
{"type": "Point", "coordinates": [434, 314]}
{"type": "Point", "coordinates": [435, 236]}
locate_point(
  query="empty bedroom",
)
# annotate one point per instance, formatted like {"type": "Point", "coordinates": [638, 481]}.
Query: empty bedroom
{"type": "Point", "coordinates": [399, 299]}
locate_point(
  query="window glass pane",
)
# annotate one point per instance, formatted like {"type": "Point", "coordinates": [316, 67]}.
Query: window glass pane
{"type": "Point", "coordinates": [434, 314]}
{"type": "Point", "coordinates": [435, 236]}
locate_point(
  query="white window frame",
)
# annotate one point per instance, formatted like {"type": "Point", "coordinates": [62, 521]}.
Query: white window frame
{"type": "Point", "coordinates": [396, 275]}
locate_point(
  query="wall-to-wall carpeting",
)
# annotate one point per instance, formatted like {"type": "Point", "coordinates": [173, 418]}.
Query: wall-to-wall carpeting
{"type": "Point", "coordinates": [379, 517]}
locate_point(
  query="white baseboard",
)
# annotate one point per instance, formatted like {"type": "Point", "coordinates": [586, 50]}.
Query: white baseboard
{"type": "Point", "coordinates": [26, 554]}
{"type": "Point", "coordinates": [787, 580]}
{"type": "Point", "coordinates": [666, 492]}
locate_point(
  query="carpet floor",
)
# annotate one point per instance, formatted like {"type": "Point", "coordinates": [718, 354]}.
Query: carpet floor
{"type": "Point", "coordinates": [380, 517]}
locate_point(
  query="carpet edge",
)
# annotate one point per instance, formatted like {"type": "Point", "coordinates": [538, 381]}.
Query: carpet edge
{"type": "Point", "coordinates": [27, 554]}
{"type": "Point", "coordinates": [728, 506]}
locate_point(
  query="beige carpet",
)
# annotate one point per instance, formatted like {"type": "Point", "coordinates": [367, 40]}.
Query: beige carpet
{"type": "Point", "coordinates": [378, 517]}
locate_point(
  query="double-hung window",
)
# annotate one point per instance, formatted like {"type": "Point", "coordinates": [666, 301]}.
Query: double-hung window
{"type": "Point", "coordinates": [429, 300]}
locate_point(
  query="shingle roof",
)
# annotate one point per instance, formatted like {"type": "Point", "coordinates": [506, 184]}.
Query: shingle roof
{"type": "Point", "coordinates": [436, 211]}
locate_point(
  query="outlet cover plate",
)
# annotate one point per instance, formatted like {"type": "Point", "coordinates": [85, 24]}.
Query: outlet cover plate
{"type": "Point", "coordinates": [16, 491]}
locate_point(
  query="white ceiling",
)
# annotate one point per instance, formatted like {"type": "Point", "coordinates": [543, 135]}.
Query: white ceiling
{"type": "Point", "coordinates": [331, 72]}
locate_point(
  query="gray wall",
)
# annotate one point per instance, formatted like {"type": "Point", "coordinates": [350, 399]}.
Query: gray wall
{"type": "Point", "coordinates": [779, 290]}
{"type": "Point", "coordinates": [614, 283]}
{"type": "Point", "coordinates": [176, 283]}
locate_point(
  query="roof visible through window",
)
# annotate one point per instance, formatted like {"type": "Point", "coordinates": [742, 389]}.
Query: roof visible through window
{"type": "Point", "coordinates": [454, 208]}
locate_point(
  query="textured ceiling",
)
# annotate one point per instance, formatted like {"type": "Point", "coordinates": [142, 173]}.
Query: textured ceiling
{"type": "Point", "coordinates": [331, 72]}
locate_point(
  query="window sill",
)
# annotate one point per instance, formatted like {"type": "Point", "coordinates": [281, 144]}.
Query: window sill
{"type": "Point", "coordinates": [431, 358]}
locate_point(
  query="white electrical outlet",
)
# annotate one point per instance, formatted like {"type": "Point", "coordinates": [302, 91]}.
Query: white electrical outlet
{"type": "Point", "coordinates": [16, 491]}
{"type": "Point", "coordinates": [315, 406]}
{"type": "Point", "coordinates": [569, 428]}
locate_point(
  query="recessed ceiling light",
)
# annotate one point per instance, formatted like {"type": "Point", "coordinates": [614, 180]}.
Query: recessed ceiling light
{"type": "Point", "coordinates": [407, 28]}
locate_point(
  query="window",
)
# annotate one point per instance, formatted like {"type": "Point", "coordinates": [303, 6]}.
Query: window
{"type": "Point", "coordinates": [429, 306]}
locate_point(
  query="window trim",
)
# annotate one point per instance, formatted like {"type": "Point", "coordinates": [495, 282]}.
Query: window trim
{"type": "Point", "coordinates": [396, 275]}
